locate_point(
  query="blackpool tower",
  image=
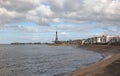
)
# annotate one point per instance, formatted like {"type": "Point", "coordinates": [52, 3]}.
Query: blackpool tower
{"type": "Point", "coordinates": [56, 38]}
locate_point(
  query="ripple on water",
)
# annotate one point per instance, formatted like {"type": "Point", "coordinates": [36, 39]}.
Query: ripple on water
{"type": "Point", "coordinates": [43, 60]}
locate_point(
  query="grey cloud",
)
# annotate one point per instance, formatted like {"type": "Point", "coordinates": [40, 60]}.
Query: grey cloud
{"type": "Point", "coordinates": [18, 5]}
{"type": "Point", "coordinates": [29, 29]}
{"type": "Point", "coordinates": [75, 28]}
{"type": "Point", "coordinates": [42, 12]}
{"type": "Point", "coordinates": [65, 5]}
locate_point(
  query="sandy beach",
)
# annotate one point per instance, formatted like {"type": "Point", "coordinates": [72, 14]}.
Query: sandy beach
{"type": "Point", "coordinates": [107, 67]}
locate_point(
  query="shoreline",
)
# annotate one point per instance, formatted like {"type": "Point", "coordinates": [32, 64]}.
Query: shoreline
{"type": "Point", "coordinates": [101, 48]}
{"type": "Point", "coordinates": [112, 53]}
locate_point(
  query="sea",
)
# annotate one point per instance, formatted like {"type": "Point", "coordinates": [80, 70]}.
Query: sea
{"type": "Point", "coordinates": [43, 60]}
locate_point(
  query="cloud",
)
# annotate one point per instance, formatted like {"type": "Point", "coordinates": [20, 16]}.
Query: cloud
{"type": "Point", "coordinates": [75, 28]}
{"type": "Point", "coordinates": [43, 12]}
{"type": "Point", "coordinates": [19, 5]}
{"type": "Point", "coordinates": [28, 28]}
{"type": "Point", "coordinates": [64, 33]}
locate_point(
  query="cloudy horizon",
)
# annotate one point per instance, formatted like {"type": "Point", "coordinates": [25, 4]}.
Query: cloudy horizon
{"type": "Point", "coordinates": [37, 20]}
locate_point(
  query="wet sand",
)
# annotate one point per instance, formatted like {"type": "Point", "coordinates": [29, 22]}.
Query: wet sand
{"type": "Point", "coordinates": [101, 48]}
{"type": "Point", "coordinates": [107, 67]}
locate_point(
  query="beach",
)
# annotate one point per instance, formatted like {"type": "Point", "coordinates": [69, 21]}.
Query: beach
{"type": "Point", "coordinates": [107, 67]}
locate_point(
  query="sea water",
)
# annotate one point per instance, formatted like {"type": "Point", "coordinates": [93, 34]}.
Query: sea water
{"type": "Point", "coordinates": [43, 60]}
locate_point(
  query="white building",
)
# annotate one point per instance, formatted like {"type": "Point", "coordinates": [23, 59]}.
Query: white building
{"type": "Point", "coordinates": [100, 39]}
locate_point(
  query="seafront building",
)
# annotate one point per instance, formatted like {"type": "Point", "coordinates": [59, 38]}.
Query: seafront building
{"type": "Point", "coordinates": [98, 40]}
{"type": "Point", "coordinates": [104, 39]}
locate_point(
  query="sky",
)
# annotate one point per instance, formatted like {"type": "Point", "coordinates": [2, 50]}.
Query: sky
{"type": "Point", "coordinates": [38, 20]}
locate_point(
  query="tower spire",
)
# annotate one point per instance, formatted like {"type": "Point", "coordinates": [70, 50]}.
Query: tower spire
{"type": "Point", "coordinates": [56, 39]}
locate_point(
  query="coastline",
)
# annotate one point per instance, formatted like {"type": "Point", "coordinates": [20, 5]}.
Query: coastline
{"type": "Point", "coordinates": [101, 48]}
{"type": "Point", "coordinates": [112, 53]}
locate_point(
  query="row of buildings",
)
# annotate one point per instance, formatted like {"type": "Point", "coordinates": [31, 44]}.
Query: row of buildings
{"type": "Point", "coordinates": [98, 40]}
{"type": "Point", "coordinates": [103, 40]}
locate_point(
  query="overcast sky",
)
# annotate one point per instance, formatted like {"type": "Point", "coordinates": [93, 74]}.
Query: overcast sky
{"type": "Point", "coordinates": [37, 20]}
